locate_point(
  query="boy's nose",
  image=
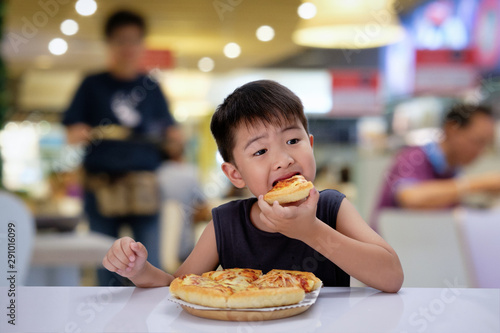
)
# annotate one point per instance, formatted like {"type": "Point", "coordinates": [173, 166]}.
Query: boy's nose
{"type": "Point", "coordinates": [283, 160]}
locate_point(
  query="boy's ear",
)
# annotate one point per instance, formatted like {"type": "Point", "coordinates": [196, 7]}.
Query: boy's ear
{"type": "Point", "coordinates": [311, 139]}
{"type": "Point", "coordinates": [233, 174]}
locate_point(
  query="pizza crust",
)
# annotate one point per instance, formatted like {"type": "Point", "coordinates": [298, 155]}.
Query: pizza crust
{"type": "Point", "coordinates": [289, 190]}
{"type": "Point", "coordinates": [264, 298]}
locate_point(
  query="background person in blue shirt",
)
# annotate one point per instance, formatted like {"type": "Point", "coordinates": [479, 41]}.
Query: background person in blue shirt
{"type": "Point", "coordinates": [123, 118]}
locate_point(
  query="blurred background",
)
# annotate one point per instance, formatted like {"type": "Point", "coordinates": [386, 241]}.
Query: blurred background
{"type": "Point", "coordinates": [380, 84]}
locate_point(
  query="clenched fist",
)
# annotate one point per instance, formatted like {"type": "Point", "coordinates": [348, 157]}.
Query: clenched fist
{"type": "Point", "coordinates": [126, 257]}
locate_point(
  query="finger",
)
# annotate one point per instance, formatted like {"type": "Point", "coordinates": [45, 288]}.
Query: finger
{"type": "Point", "coordinates": [113, 260]}
{"type": "Point", "coordinates": [313, 198]}
{"type": "Point", "coordinates": [263, 205]}
{"type": "Point", "coordinates": [270, 224]}
{"type": "Point", "coordinates": [110, 267]}
{"type": "Point", "coordinates": [118, 253]}
{"type": "Point", "coordinates": [125, 246]}
{"type": "Point", "coordinates": [139, 249]}
{"type": "Point", "coordinates": [280, 211]}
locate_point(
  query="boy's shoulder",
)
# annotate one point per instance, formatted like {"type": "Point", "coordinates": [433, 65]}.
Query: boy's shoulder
{"type": "Point", "coordinates": [328, 206]}
{"type": "Point", "coordinates": [330, 194]}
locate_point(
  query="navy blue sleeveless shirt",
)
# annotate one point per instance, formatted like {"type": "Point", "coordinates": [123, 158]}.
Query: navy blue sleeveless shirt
{"type": "Point", "coordinates": [241, 244]}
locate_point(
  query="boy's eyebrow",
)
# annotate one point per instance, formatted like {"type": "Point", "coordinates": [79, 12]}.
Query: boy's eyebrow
{"type": "Point", "coordinates": [291, 127]}
{"type": "Point", "coordinates": [252, 140]}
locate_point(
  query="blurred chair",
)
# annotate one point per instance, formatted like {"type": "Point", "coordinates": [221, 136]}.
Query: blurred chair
{"type": "Point", "coordinates": [13, 210]}
{"type": "Point", "coordinates": [480, 230]}
{"type": "Point", "coordinates": [428, 246]}
{"type": "Point", "coordinates": [58, 257]}
{"type": "Point", "coordinates": [171, 229]}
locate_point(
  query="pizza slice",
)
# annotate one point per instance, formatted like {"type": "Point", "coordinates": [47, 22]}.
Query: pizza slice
{"type": "Point", "coordinates": [289, 190]}
{"type": "Point", "coordinates": [200, 290]}
{"type": "Point", "coordinates": [306, 280]}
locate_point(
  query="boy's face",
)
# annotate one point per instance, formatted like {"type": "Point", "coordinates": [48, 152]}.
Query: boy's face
{"type": "Point", "coordinates": [265, 153]}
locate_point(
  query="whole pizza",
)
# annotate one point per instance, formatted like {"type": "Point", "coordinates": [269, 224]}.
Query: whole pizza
{"type": "Point", "coordinates": [239, 288]}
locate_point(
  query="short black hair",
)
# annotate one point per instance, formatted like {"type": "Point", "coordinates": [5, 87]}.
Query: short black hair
{"type": "Point", "coordinates": [263, 101]}
{"type": "Point", "coordinates": [460, 114]}
{"type": "Point", "coordinates": [123, 18]}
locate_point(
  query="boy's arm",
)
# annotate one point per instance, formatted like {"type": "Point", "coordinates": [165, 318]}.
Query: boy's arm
{"type": "Point", "coordinates": [358, 250]}
{"type": "Point", "coordinates": [128, 258]}
{"type": "Point", "coordinates": [353, 245]}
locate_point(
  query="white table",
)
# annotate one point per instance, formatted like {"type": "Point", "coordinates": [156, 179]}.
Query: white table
{"type": "Point", "coordinates": [127, 309]}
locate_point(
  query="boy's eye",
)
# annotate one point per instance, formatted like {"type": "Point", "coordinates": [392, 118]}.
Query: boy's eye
{"type": "Point", "coordinates": [292, 142]}
{"type": "Point", "coordinates": [260, 152]}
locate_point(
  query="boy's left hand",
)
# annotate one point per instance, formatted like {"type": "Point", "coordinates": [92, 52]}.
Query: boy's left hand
{"type": "Point", "coordinates": [294, 221]}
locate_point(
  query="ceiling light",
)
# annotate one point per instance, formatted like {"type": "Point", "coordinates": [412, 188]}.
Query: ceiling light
{"type": "Point", "coordinates": [86, 7]}
{"type": "Point", "coordinates": [58, 46]}
{"type": "Point", "coordinates": [339, 24]}
{"type": "Point", "coordinates": [265, 33]}
{"type": "Point", "coordinates": [69, 27]}
{"type": "Point", "coordinates": [206, 64]}
{"type": "Point", "coordinates": [307, 10]}
{"type": "Point", "coordinates": [232, 50]}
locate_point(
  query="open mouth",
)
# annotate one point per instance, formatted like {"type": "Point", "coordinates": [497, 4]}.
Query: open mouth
{"type": "Point", "coordinates": [285, 177]}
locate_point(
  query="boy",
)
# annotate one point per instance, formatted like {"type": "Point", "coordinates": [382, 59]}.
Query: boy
{"type": "Point", "coordinates": [261, 132]}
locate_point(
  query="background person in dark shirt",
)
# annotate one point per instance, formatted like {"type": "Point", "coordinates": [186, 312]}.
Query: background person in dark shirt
{"type": "Point", "coordinates": [123, 118]}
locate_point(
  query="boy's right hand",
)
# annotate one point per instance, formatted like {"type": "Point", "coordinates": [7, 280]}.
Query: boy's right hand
{"type": "Point", "coordinates": [126, 257]}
